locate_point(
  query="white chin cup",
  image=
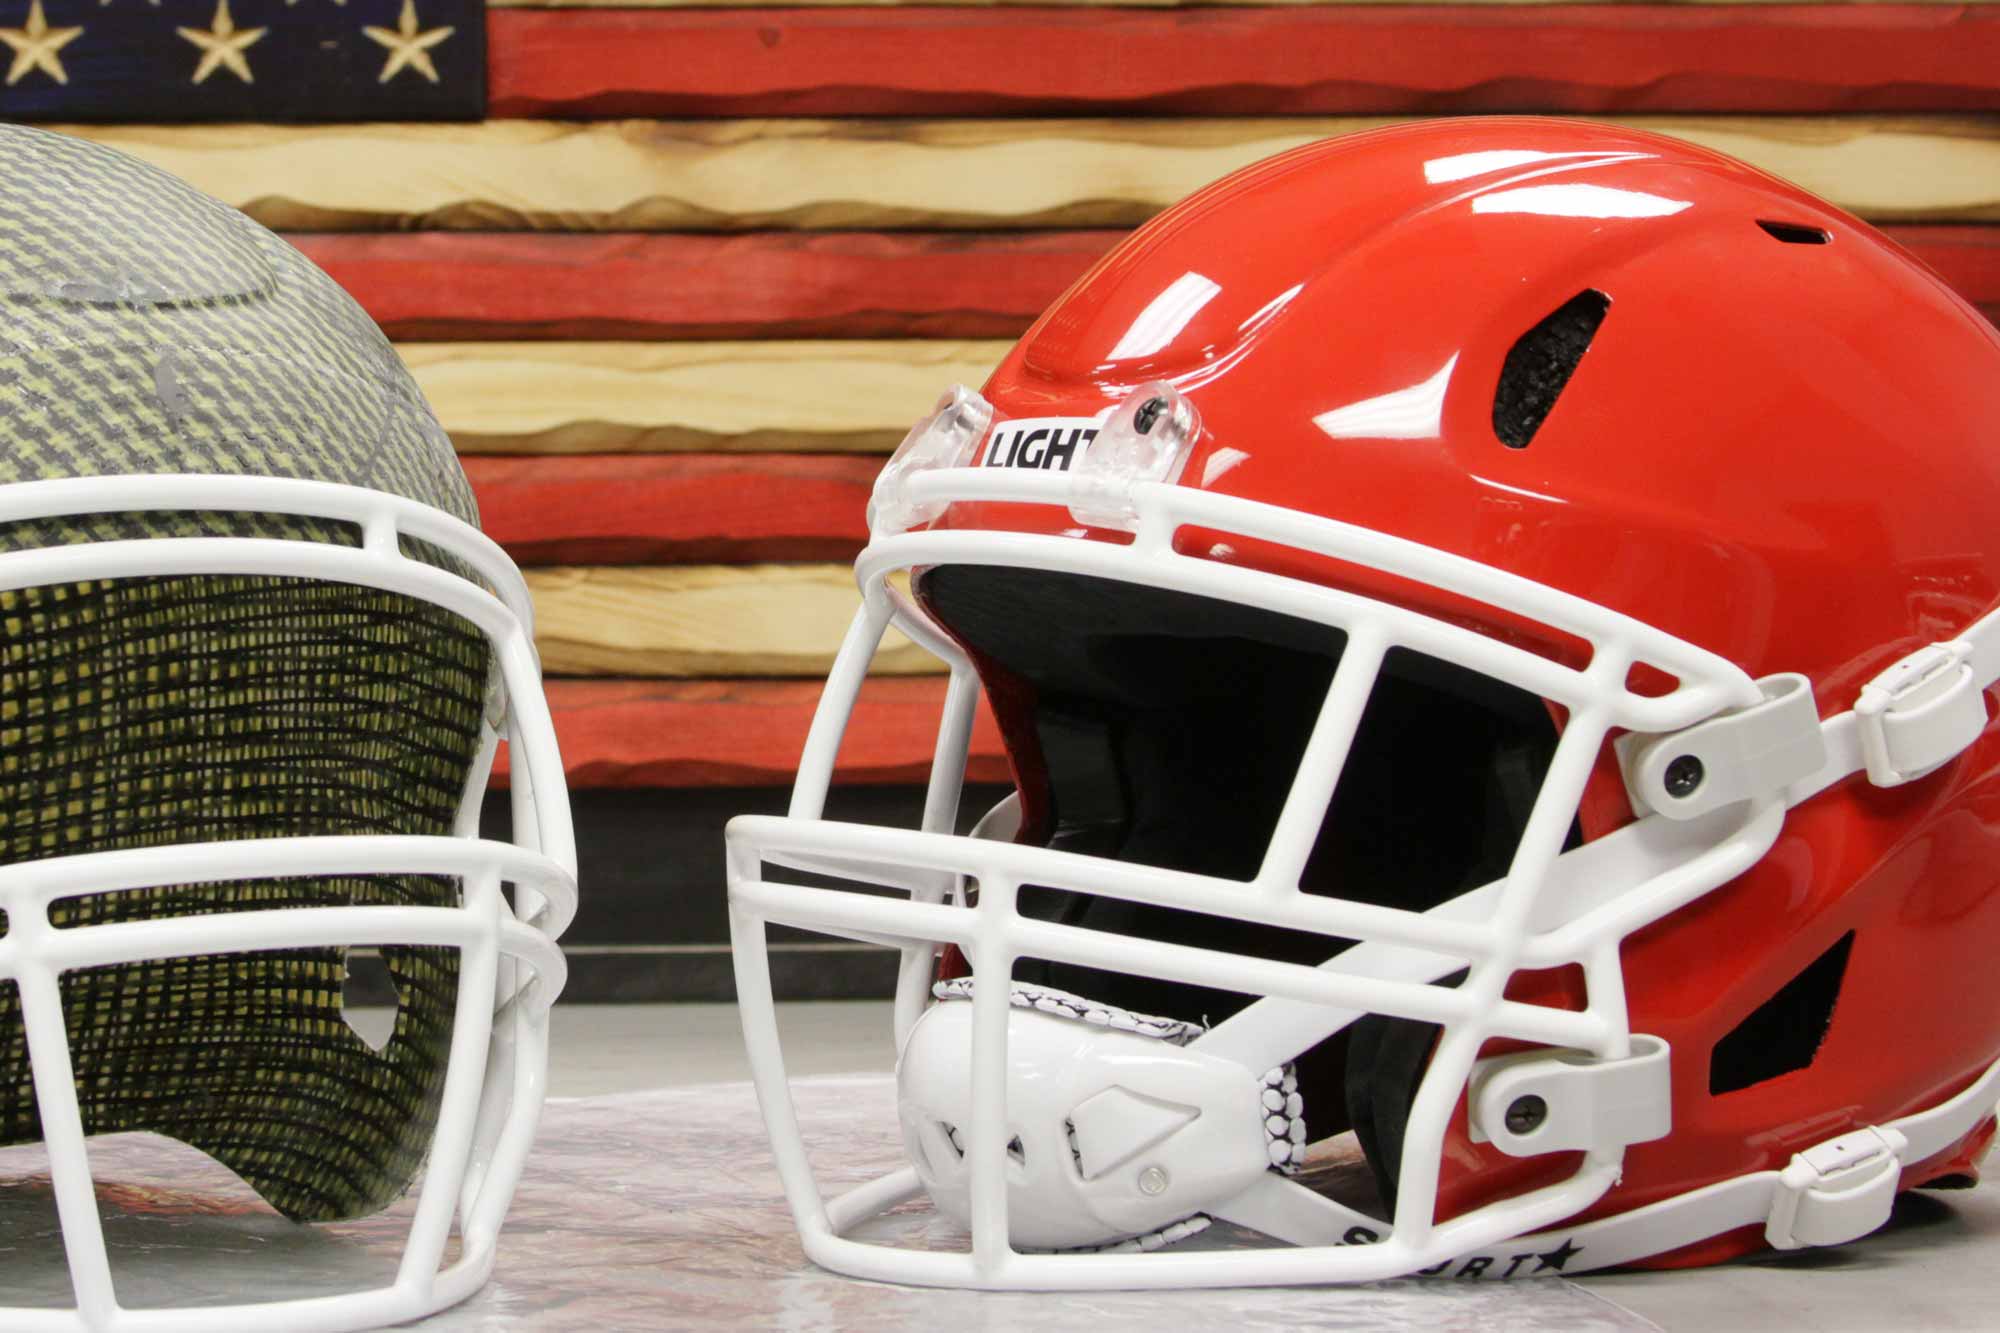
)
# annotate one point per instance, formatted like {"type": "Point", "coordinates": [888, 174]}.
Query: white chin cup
{"type": "Point", "coordinates": [1111, 1135]}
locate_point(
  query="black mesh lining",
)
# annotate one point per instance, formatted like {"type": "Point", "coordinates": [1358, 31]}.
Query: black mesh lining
{"type": "Point", "coordinates": [1170, 728]}
{"type": "Point", "coordinates": [156, 711]}
{"type": "Point", "coordinates": [1539, 365]}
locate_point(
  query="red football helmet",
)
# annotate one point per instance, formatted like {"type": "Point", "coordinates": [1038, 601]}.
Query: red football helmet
{"type": "Point", "coordinates": [1490, 622]}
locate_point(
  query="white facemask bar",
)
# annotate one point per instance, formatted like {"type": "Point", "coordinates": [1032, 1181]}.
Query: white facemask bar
{"type": "Point", "coordinates": [510, 968]}
{"type": "Point", "coordinates": [1553, 908]}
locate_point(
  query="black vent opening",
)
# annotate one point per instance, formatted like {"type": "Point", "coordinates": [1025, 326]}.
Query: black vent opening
{"type": "Point", "coordinates": [1540, 363]}
{"type": "Point", "coordinates": [1783, 1033]}
{"type": "Point", "coordinates": [1794, 233]}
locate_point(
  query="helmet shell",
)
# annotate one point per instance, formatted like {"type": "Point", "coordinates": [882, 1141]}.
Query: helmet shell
{"type": "Point", "coordinates": [1777, 443]}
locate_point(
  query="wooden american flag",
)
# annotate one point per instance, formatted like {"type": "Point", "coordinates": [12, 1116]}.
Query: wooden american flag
{"type": "Point", "coordinates": [676, 277]}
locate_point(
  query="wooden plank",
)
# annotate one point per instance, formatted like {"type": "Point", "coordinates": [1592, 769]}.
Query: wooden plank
{"type": "Point", "coordinates": [764, 285]}
{"type": "Point", "coordinates": [674, 509]}
{"type": "Point", "coordinates": [1095, 4]}
{"type": "Point", "coordinates": [450, 285]}
{"type": "Point", "coordinates": [703, 620]}
{"type": "Point", "coordinates": [806, 396]}
{"type": "Point", "coordinates": [966, 174]}
{"type": "Point", "coordinates": [749, 733]}
{"type": "Point", "coordinates": [1966, 257]}
{"type": "Point", "coordinates": [1335, 60]}
{"type": "Point", "coordinates": [650, 397]}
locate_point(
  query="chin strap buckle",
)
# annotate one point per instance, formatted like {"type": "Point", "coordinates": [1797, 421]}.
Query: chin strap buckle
{"type": "Point", "coordinates": [1920, 713]}
{"type": "Point", "coordinates": [1837, 1191]}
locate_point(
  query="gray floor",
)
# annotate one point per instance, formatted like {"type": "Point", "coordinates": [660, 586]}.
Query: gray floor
{"type": "Point", "coordinates": [1931, 1269]}
{"type": "Point", "coordinates": [602, 1048]}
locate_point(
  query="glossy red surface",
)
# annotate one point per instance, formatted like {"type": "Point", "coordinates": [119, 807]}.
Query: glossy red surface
{"type": "Point", "coordinates": [1788, 454]}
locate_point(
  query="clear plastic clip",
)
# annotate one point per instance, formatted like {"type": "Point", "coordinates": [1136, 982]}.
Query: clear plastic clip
{"type": "Point", "coordinates": [947, 438]}
{"type": "Point", "coordinates": [1147, 439]}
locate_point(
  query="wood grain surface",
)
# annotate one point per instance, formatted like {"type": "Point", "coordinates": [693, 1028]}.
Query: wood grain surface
{"type": "Point", "coordinates": [582, 397]}
{"type": "Point", "coordinates": [469, 287]}
{"type": "Point", "coordinates": [748, 733]}
{"type": "Point", "coordinates": [1966, 257]}
{"type": "Point", "coordinates": [1095, 4]}
{"type": "Point", "coordinates": [703, 620]}
{"type": "Point", "coordinates": [456, 285]}
{"type": "Point", "coordinates": [1285, 60]}
{"type": "Point", "coordinates": [509, 175]}
{"type": "Point", "coordinates": [674, 509]}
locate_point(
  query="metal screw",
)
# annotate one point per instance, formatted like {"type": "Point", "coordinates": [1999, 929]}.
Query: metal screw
{"type": "Point", "coordinates": [1148, 414]}
{"type": "Point", "coordinates": [1684, 775]}
{"type": "Point", "coordinates": [1153, 1180]}
{"type": "Point", "coordinates": [1526, 1114]}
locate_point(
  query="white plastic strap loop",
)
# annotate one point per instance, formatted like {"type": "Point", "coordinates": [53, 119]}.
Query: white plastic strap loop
{"type": "Point", "coordinates": [1909, 721]}
{"type": "Point", "coordinates": [1729, 758]}
{"type": "Point", "coordinates": [1832, 1193]}
{"type": "Point", "coordinates": [1538, 1102]}
{"type": "Point", "coordinates": [1920, 713]}
{"type": "Point", "coordinates": [1837, 1191]}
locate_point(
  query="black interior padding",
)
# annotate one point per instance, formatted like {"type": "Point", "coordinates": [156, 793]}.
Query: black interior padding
{"type": "Point", "coordinates": [1385, 1065]}
{"type": "Point", "coordinates": [1783, 1033]}
{"type": "Point", "coordinates": [1540, 363]}
{"type": "Point", "coordinates": [1171, 728]}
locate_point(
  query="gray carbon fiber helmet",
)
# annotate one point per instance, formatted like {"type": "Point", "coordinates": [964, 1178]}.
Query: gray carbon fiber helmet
{"type": "Point", "coordinates": [148, 329]}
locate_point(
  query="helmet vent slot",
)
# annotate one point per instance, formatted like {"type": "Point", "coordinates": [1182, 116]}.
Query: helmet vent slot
{"type": "Point", "coordinates": [1540, 363]}
{"type": "Point", "coordinates": [1784, 1033]}
{"type": "Point", "coordinates": [1794, 233]}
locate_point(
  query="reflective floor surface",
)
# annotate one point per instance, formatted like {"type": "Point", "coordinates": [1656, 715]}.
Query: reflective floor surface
{"type": "Point", "coordinates": [651, 1203]}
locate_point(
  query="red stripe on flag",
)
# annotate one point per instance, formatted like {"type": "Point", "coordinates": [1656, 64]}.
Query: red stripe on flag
{"type": "Point", "coordinates": [1339, 60]}
{"type": "Point", "coordinates": [747, 733]}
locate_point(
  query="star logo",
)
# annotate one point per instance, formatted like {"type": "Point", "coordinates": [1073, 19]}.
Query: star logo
{"type": "Point", "coordinates": [222, 46]}
{"type": "Point", "coordinates": [408, 46]}
{"type": "Point", "coordinates": [35, 47]}
{"type": "Point", "coordinates": [1557, 1257]}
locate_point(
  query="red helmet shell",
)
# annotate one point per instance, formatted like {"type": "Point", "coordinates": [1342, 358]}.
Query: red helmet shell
{"type": "Point", "coordinates": [1781, 444]}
